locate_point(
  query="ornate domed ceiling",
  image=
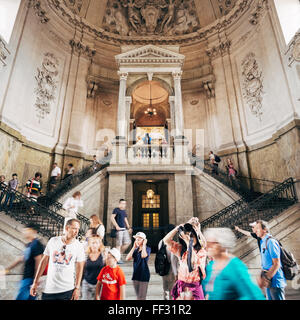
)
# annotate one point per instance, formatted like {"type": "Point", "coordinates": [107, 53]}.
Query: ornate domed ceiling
{"type": "Point", "coordinates": [152, 20]}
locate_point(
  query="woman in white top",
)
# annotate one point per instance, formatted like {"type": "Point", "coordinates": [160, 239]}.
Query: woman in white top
{"type": "Point", "coordinates": [71, 205]}
{"type": "Point", "coordinates": [96, 227]}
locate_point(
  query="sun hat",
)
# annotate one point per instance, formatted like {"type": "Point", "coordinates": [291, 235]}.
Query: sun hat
{"type": "Point", "coordinates": [141, 235]}
{"type": "Point", "coordinates": [115, 253]}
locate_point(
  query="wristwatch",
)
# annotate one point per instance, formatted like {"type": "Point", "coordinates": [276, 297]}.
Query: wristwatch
{"type": "Point", "coordinates": [77, 287]}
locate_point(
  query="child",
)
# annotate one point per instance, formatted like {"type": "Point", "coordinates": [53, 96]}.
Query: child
{"type": "Point", "coordinates": [141, 274]}
{"type": "Point", "coordinates": [111, 278]}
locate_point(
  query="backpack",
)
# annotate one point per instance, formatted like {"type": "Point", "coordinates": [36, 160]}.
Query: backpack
{"type": "Point", "coordinates": [217, 158]}
{"type": "Point", "coordinates": [162, 265]}
{"type": "Point", "coordinates": [289, 264]}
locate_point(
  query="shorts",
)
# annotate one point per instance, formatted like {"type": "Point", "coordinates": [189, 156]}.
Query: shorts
{"type": "Point", "coordinates": [122, 238]}
{"type": "Point", "coordinates": [67, 295]}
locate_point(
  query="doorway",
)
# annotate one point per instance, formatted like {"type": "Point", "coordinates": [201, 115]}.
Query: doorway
{"type": "Point", "coordinates": [150, 210]}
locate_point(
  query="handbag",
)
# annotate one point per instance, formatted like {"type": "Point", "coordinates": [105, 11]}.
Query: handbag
{"type": "Point", "coordinates": [113, 233]}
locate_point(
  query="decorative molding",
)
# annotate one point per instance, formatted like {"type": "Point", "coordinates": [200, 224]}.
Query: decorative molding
{"type": "Point", "coordinates": [150, 54]}
{"type": "Point", "coordinates": [241, 6]}
{"type": "Point", "coordinates": [38, 10]}
{"type": "Point", "coordinates": [261, 7]}
{"type": "Point", "coordinates": [74, 5]}
{"type": "Point", "coordinates": [177, 75]}
{"type": "Point", "coordinates": [123, 75]}
{"type": "Point", "coordinates": [46, 85]}
{"type": "Point", "coordinates": [4, 52]}
{"type": "Point", "coordinates": [294, 49]}
{"type": "Point", "coordinates": [209, 87]}
{"type": "Point", "coordinates": [82, 49]}
{"type": "Point", "coordinates": [252, 84]}
{"type": "Point", "coordinates": [219, 50]}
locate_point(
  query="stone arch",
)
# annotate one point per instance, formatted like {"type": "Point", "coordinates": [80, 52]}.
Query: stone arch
{"type": "Point", "coordinates": [162, 82]}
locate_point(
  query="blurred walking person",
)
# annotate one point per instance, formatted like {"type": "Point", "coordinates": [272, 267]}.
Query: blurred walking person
{"type": "Point", "coordinates": [227, 277]}
{"type": "Point", "coordinates": [140, 254]}
{"type": "Point", "coordinates": [65, 258]}
{"type": "Point", "coordinates": [96, 228]}
{"type": "Point", "coordinates": [71, 206]}
{"type": "Point", "coordinates": [31, 258]}
{"type": "Point", "coordinates": [94, 263]}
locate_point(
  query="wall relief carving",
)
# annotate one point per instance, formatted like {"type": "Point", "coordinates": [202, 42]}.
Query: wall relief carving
{"type": "Point", "coordinates": [39, 11]}
{"type": "Point", "coordinates": [252, 85]}
{"type": "Point", "coordinates": [4, 52]}
{"type": "Point", "coordinates": [74, 5]}
{"type": "Point", "coordinates": [294, 49]}
{"type": "Point", "coordinates": [144, 17]}
{"type": "Point", "coordinates": [225, 6]}
{"type": "Point", "coordinates": [46, 80]}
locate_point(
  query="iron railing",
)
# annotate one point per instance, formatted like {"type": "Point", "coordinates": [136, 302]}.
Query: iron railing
{"type": "Point", "coordinates": [247, 188]}
{"type": "Point", "coordinates": [74, 180]}
{"type": "Point", "coordinates": [48, 222]}
{"type": "Point", "coordinates": [265, 208]}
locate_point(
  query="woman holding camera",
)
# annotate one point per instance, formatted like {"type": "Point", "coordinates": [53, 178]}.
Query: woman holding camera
{"type": "Point", "coordinates": [192, 259]}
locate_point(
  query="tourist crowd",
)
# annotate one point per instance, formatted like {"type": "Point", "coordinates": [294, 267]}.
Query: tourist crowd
{"type": "Point", "coordinates": [201, 266]}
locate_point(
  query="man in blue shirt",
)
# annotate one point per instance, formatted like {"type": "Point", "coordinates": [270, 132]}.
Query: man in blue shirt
{"type": "Point", "coordinates": [120, 222]}
{"type": "Point", "coordinates": [272, 277]}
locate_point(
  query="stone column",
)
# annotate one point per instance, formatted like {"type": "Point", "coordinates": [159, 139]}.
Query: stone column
{"type": "Point", "coordinates": [184, 197]}
{"type": "Point", "coordinates": [121, 127]}
{"type": "Point", "coordinates": [119, 144]}
{"type": "Point", "coordinates": [178, 104]}
{"type": "Point", "coordinates": [180, 142]}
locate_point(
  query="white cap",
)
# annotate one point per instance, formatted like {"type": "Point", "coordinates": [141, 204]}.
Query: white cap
{"type": "Point", "coordinates": [253, 224]}
{"type": "Point", "coordinates": [115, 253]}
{"type": "Point", "coordinates": [141, 235]}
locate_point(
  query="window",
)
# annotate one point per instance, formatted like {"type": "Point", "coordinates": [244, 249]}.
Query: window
{"type": "Point", "coordinates": [151, 203]}
{"type": "Point", "coordinates": [146, 220]}
{"type": "Point", "coordinates": [8, 15]}
{"type": "Point", "coordinates": [155, 217]}
{"type": "Point", "coordinates": [288, 12]}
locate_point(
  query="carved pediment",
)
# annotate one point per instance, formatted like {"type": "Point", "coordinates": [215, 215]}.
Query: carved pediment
{"type": "Point", "coordinates": [150, 54]}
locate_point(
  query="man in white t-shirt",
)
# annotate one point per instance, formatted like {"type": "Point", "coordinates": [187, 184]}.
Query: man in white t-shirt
{"type": "Point", "coordinates": [55, 174]}
{"type": "Point", "coordinates": [65, 258]}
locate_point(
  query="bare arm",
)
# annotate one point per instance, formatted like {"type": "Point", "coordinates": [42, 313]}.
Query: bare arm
{"type": "Point", "coordinates": [37, 261]}
{"type": "Point", "coordinates": [13, 265]}
{"type": "Point", "coordinates": [127, 224]}
{"type": "Point", "coordinates": [246, 233]}
{"type": "Point", "coordinates": [122, 292]}
{"type": "Point", "coordinates": [168, 238]}
{"type": "Point", "coordinates": [98, 288]}
{"type": "Point", "coordinates": [129, 255]}
{"type": "Point", "coordinates": [144, 250]}
{"type": "Point", "coordinates": [275, 266]}
{"type": "Point", "coordinates": [79, 271]}
{"type": "Point", "coordinates": [40, 270]}
{"type": "Point", "coordinates": [113, 221]}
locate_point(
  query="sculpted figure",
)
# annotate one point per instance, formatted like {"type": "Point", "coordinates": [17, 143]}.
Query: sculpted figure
{"type": "Point", "coordinates": [169, 15]}
{"type": "Point", "coordinates": [133, 17]}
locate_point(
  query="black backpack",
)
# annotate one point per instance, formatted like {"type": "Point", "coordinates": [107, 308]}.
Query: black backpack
{"type": "Point", "coordinates": [162, 265]}
{"type": "Point", "coordinates": [289, 264]}
{"type": "Point", "coordinates": [217, 158]}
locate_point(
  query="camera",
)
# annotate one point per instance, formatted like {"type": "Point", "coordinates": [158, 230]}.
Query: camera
{"type": "Point", "coordinates": [186, 228]}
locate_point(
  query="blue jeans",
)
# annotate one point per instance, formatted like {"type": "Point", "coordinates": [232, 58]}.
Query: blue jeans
{"type": "Point", "coordinates": [9, 199]}
{"type": "Point", "coordinates": [275, 293]}
{"type": "Point", "coordinates": [24, 290]}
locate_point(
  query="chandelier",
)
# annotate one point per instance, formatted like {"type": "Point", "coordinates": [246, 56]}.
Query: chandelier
{"type": "Point", "coordinates": [150, 111]}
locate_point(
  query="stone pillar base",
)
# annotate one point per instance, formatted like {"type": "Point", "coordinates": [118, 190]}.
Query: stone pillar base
{"type": "Point", "coordinates": [119, 148]}
{"type": "Point", "coordinates": [181, 150]}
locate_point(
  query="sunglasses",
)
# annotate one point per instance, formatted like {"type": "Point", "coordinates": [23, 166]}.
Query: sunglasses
{"type": "Point", "coordinates": [63, 250]}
